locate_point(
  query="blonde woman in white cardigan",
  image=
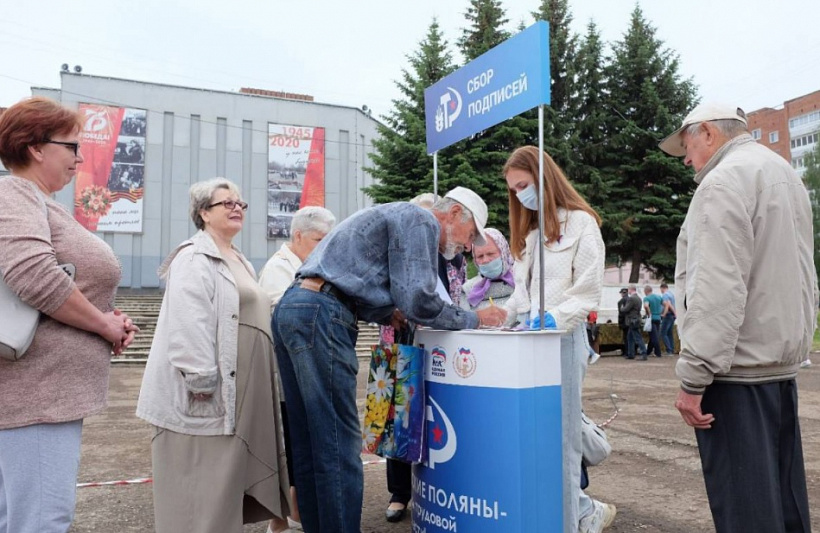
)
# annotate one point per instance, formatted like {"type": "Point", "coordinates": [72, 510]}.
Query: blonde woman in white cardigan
{"type": "Point", "coordinates": [573, 279]}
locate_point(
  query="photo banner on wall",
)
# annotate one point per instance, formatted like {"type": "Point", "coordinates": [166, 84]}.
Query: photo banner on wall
{"type": "Point", "coordinates": [296, 174]}
{"type": "Point", "coordinates": [110, 181]}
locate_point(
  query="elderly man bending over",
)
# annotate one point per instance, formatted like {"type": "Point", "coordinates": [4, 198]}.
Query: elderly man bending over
{"type": "Point", "coordinates": [380, 259]}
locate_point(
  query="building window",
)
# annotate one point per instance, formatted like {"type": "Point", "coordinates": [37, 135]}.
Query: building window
{"type": "Point", "coordinates": [756, 134]}
{"type": "Point", "coordinates": [773, 137]}
{"type": "Point", "coordinates": [804, 140]}
{"type": "Point", "coordinates": [804, 119]}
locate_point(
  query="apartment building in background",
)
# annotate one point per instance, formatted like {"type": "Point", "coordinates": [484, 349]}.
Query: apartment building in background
{"type": "Point", "coordinates": [791, 130]}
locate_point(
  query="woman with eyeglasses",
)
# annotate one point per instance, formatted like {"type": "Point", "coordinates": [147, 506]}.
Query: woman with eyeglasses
{"type": "Point", "coordinates": [209, 387]}
{"type": "Point", "coordinates": [63, 375]}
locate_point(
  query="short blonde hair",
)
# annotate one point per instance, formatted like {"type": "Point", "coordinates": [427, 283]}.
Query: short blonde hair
{"type": "Point", "coordinates": [201, 194]}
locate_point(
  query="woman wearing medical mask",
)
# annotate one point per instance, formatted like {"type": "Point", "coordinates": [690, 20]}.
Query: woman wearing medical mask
{"type": "Point", "coordinates": [494, 283]}
{"type": "Point", "coordinates": [573, 279]}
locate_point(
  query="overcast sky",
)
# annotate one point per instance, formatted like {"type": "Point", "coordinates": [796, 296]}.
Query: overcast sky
{"type": "Point", "coordinates": [755, 53]}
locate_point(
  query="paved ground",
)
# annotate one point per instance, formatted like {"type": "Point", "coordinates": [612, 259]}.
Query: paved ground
{"type": "Point", "coordinates": [653, 475]}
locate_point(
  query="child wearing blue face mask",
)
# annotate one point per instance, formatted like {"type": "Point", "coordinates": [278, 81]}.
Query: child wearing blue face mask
{"type": "Point", "coordinates": [573, 279]}
{"type": "Point", "coordinates": [494, 283]}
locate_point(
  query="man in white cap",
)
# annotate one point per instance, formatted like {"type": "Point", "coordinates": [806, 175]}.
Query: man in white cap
{"type": "Point", "coordinates": [748, 297]}
{"type": "Point", "coordinates": [381, 259]}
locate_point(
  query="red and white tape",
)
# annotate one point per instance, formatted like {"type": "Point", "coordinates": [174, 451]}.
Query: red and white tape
{"type": "Point", "coordinates": [120, 482]}
{"type": "Point", "coordinates": [142, 480]}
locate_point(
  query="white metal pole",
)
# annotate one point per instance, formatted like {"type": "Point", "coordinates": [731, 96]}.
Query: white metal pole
{"type": "Point", "coordinates": [541, 213]}
{"type": "Point", "coordinates": [435, 174]}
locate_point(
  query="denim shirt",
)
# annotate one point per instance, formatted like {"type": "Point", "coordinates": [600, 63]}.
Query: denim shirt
{"type": "Point", "coordinates": [386, 257]}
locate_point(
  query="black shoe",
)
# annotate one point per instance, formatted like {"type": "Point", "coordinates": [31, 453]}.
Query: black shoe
{"type": "Point", "coordinates": [643, 358]}
{"type": "Point", "coordinates": [630, 358]}
{"type": "Point", "coordinates": [395, 515]}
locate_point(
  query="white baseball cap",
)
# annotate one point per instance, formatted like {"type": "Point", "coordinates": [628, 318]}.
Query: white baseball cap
{"type": "Point", "coordinates": [673, 145]}
{"type": "Point", "coordinates": [477, 207]}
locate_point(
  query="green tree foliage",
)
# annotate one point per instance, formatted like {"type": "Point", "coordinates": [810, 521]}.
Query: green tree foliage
{"type": "Point", "coordinates": [607, 115]}
{"type": "Point", "coordinates": [479, 164]}
{"type": "Point", "coordinates": [589, 130]}
{"type": "Point", "coordinates": [485, 28]}
{"type": "Point", "coordinates": [811, 177]}
{"type": "Point", "coordinates": [559, 116]}
{"type": "Point", "coordinates": [401, 165]}
{"type": "Point", "coordinates": [647, 192]}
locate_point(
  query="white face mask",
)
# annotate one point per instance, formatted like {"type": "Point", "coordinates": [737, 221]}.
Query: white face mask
{"type": "Point", "coordinates": [528, 198]}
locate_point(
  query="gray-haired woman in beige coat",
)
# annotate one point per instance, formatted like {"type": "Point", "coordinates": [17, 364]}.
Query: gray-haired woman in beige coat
{"type": "Point", "coordinates": [209, 387]}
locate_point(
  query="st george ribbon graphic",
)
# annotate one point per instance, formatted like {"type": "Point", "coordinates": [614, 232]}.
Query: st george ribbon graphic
{"type": "Point", "coordinates": [109, 189]}
{"type": "Point", "coordinates": [493, 433]}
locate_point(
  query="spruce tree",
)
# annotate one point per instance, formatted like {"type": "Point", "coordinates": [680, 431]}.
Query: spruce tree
{"type": "Point", "coordinates": [478, 165]}
{"type": "Point", "coordinates": [589, 130]}
{"type": "Point", "coordinates": [648, 192]}
{"type": "Point", "coordinates": [485, 28]}
{"type": "Point", "coordinates": [559, 115]}
{"type": "Point", "coordinates": [401, 167]}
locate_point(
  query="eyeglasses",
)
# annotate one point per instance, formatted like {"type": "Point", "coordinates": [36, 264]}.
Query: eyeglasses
{"type": "Point", "coordinates": [75, 147]}
{"type": "Point", "coordinates": [230, 205]}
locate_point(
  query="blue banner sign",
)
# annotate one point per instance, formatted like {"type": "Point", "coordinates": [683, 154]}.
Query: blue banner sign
{"type": "Point", "coordinates": [507, 80]}
{"type": "Point", "coordinates": [493, 436]}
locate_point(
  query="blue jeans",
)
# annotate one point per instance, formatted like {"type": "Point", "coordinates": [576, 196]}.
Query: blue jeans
{"type": "Point", "coordinates": [634, 337]}
{"type": "Point", "coordinates": [666, 333]}
{"type": "Point", "coordinates": [314, 337]}
{"type": "Point", "coordinates": [654, 338]}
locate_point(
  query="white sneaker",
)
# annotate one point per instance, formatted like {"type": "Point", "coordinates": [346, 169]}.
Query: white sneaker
{"type": "Point", "coordinates": [806, 363]}
{"type": "Point", "coordinates": [594, 358]}
{"type": "Point", "coordinates": [602, 517]}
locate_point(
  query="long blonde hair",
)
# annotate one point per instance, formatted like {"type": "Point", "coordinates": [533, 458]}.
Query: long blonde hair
{"type": "Point", "coordinates": [558, 192]}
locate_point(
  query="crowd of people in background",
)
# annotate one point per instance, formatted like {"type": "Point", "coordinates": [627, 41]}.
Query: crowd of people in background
{"type": "Point", "coordinates": [250, 386]}
{"type": "Point", "coordinates": [289, 206]}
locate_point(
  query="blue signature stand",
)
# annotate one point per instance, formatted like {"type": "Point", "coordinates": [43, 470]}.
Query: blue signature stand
{"type": "Point", "coordinates": [493, 409]}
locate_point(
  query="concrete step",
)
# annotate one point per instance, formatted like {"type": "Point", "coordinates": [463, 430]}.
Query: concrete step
{"type": "Point", "coordinates": [140, 348]}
